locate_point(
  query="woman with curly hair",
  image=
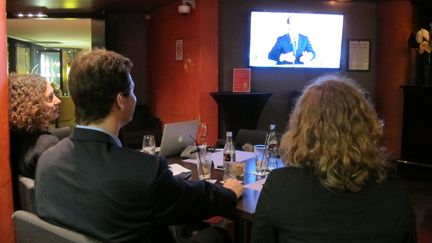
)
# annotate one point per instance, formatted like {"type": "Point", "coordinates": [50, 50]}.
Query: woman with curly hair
{"type": "Point", "coordinates": [32, 107]}
{"type": "Point", "coordinates": [335, 187]}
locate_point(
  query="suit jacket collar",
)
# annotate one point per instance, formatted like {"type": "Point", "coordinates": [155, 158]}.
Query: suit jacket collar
{"type": "Point", "coordinates": [91, 135]}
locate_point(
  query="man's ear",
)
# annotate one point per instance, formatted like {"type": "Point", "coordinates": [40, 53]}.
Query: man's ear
{"type": "Point", "coordinates": [120, 100]}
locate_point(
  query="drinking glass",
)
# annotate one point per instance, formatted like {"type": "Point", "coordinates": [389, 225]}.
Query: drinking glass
{"type": "Point", "coordinates": [234, 170]}
{"type": "Point", "coordinates": [229, 170]}
{"type": "Point", "coordinates": [239, 170]}
{"type": "Point", "coordinates": [149, 145]}
{"type": "Point", "coordinates": [261, 159]}
{"type": "Point", "coordinates": [201, 133]}
{"type": "Point", "coordinates": [204, 163]}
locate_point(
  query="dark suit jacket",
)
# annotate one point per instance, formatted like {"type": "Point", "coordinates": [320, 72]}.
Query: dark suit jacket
{"type": "Point", "coordinates": [89, 184]}
{"type": "Point", "coordinates": [295, 207]}
{"type": "Point", "coordinates": [284, 45]}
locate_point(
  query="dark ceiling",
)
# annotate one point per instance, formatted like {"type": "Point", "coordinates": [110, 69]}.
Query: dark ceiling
{"type": "Point", "coordinates": [69, 8]}
{"type": "Point", "coordinates": [89, 8]}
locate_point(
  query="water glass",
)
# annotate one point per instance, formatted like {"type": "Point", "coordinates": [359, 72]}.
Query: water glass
{"type": "Point", "coordinates": [149, 144]}
{"type": "Point", "coordinates": [272, 163]}
{"type": "Point", "coordinates": [234, 170]}
{"type": "Point", "coordinates": [261, 159]}
{"type": "Point", "coordinates": [204, 163]}
{"type": "Point", "coordinates": [202, 132]}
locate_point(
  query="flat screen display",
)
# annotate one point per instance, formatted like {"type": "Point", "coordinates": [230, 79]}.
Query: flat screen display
{"type": "Point", "coordinates": [295, 40]}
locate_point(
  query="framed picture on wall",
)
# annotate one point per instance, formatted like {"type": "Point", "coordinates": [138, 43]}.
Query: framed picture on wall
{"type": "Point", "coordinates": [241, 79]}
{"type": "Point", "coordinates": [22, 59]}
{"type": "Point", "coordinates": [358, 55]}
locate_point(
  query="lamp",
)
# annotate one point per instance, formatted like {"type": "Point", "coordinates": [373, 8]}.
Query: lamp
{"type": "Point", "coordinates": [186, 6]}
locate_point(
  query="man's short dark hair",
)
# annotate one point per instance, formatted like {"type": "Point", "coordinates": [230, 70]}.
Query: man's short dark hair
{"type": "Point", "coordinates": [288, 19]}
{"type": "Point", "coordinates": [95, 79]}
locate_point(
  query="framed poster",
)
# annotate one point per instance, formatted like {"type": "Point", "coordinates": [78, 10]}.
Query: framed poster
{"type": "Point", "coordinates": [22, 59]}
{"type": "Point", "coordinates": [358, 55]}
{"type": "Point", "coordinates": [241, 79]}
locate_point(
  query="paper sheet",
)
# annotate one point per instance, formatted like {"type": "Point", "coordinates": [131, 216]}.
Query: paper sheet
{"type": "Point", "coordinates": [178, 169]}
{"type": "Point", "coordinates": [257, 185]}
{"type": "Point", "coordinates": [192, 161]}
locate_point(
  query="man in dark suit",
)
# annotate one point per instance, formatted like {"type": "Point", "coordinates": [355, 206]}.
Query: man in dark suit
{"type": "Point", "coordinates": [293, 47]}
{"type": "Point", "coordinates": [90, 183]}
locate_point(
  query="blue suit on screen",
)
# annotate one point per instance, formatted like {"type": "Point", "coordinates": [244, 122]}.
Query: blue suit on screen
{"type": "Point", "coordinates": [284, 44]}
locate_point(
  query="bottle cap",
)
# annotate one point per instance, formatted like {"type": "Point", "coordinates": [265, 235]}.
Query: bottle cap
{"type": "Point", "coordinates": [229, 134]}
{"type": "Point", "coordinates": [272, 126]}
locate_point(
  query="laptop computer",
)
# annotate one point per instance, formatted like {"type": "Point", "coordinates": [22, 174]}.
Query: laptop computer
{"type": "Point", "coordinates": [176, 137]}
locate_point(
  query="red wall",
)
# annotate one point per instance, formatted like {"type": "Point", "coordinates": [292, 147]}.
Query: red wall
{"type": "Point", "coordinates": [180, 90]}
{"type": "Point", "coordinates": [395, 21]}
{"type": "Point", "coordinates": [6, 231]}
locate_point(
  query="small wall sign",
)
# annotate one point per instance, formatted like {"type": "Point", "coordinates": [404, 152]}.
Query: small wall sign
{"type": "Point", "coordinates": [179, 50]}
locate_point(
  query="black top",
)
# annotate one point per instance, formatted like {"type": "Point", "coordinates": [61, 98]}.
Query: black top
{"type": "Point", "coordinates": [89, 184]}
{"type": "Point", "coordinates": [25, 150]}
{"type": "Point", "coordinates": [295, 207]}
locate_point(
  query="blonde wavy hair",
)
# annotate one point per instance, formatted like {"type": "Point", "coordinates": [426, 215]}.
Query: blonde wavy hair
{"type": "Point", "coordinates": [334, 131]}
{"type": "Point", "coordinates": [28, 112]}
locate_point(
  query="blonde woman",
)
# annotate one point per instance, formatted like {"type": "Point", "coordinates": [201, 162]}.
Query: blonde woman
{"type": "Point", "coordinates": [335, 187]}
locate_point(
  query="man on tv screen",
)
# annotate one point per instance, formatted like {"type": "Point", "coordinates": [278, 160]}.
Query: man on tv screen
{"type": "Point", "coordinates": [293, 47]}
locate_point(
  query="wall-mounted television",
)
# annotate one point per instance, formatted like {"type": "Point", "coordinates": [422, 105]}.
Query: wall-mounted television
{"type": "Point", "coordinates": [295, 40]}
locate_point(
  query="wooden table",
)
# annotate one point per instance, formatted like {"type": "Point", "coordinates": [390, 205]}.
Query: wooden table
{"type": "Point", "coordinates": [246, 204]}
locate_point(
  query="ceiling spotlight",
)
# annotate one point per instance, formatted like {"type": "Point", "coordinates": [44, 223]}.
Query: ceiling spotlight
{"type": "Point", "coordinates": [41, 15]}
{"type": "Point", "coordinates": [29, 15]}
{"type": "Point", "coordinates": [186, 7]}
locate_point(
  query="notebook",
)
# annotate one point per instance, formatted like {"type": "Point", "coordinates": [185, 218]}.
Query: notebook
{"type": "Point", "coordinates": [176, 137]}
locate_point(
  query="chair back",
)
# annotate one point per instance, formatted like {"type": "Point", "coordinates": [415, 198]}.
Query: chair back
{"type": "Point", "coordinates": [66, 116]}
{"type": "Point", "coordinates": [250, 136]}
{"type": "Point", "coordinates": [26, 193]}
{"type": "Point", "coordinates": [29, 228]}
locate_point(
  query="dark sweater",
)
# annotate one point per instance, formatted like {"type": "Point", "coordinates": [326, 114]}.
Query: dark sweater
{"type": "Point", "coordinates": [25, 151]}
{"type": "Point", "coordinates": [295, 207]}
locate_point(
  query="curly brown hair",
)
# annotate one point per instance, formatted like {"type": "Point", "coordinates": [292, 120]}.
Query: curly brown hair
{"type": "Point", "coordinates": [28, 112]}
{"type": "Point", "coordinates": [334, 131]}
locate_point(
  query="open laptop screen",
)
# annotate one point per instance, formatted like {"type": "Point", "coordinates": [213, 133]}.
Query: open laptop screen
{"type": "Point", "coordinates": [176, 137]}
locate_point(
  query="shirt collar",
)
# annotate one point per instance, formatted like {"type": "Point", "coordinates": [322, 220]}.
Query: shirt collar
{"type": "Point", "coordinates": [116, 139]}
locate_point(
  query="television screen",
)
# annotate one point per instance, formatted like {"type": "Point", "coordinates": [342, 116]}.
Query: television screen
{"type": "Point", "coordinates": [295, 40]}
